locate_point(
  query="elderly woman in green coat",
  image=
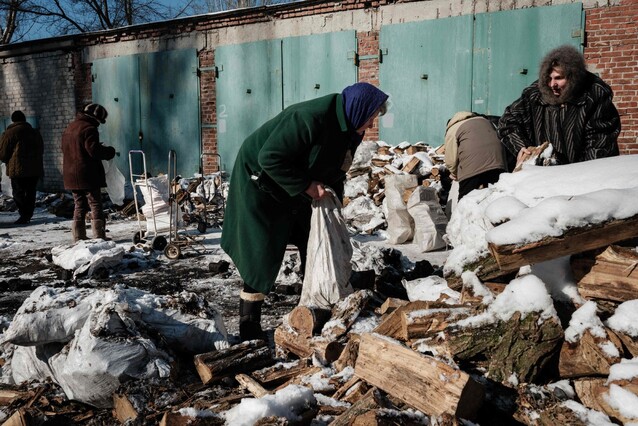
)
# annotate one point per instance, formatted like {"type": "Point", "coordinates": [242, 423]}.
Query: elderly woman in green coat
{"type": "Point", "coordinates": [279, 170]}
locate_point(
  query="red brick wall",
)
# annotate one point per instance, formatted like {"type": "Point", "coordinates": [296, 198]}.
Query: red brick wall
{"type": "Point", "coordinates": [612, 51]}
{"type": "Point", "coordinates": [208, 107]}
{"type": "Point", "coordinates": [368, 45]}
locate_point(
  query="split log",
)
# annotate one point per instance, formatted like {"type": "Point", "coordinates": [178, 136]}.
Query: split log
{"type": "Point", "coordinates": [534, 152]}
{"type": "Point", "coordinates": [392, 325]}
{"type": "Point", "coordinates": [576, 240]}
{"type": "Point", "coordinates": [242, 358]}
{"type": "Point", "coordinates": [356, 392]}
{"type": "Point", "coordinates": [371, 400]}
{"type": "Point", "coordinates": [123, 409]}
{"type": "Point", "coordinates": [326, 351]}
{"type": "Point", "coordinates": [339, 393]}
{"type": "Point", "coordinates": [593, 393]}
{"type": "Point", "coordinates": [612, 275]}
{"type": "Point", "coordinates": [308, 321]}
{"type": "Point", "coordinates": [586, 357]}
{"type": "Point", "coordinates": [486, 270]}
{"type": "Point", "coordinates": [392, 303]}
{"type": "Point", "coordinates": [384, 150]}
{"type": "Point", "coordinates": [389, 168]}
{"type": "Point", "coordinates": [413, 149]}
{"type": "Point", "coordinates": [420, 381]}
{"type": "Point", "coordinates": [289, 340]}
{"type": "Point", "coordinates": [629, 342]}
{"type": "Point", "coordinates": [381, 162]}
{"type": "Point", "coordinates": [301, 379]}
{"type": "Point", "coordinates": [434, 172]}
{"type": "Point", "coordinates": [281, 372]}
{"type": "Point", "coordinates": [421, 323]}
{"type": "Point", "coordinates": [412, 164]}
{"type": "Point", "coordinates": [345, 313]}
{"type": "Point", "coordinates": [251, 385]}
{"type": "Point", "coordinates": [407, 193]}
{"type": "Point", "coordinates": [348, 355]}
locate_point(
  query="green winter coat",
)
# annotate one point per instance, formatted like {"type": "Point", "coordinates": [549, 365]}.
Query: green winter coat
{"type": "Point", "coordinates": [305, 142]}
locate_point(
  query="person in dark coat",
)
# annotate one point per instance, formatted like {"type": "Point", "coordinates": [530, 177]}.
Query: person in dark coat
{"type": "Point", "coordinates": [22, 148]}
{"type": "Point", "coordinates": [473, 152]}
{"type": "Point", "coordinates": [279, 170]}
{"type": "Point", "coordinates": [82, 169]}
{"type": "Point", "coordinates": [569, 107]}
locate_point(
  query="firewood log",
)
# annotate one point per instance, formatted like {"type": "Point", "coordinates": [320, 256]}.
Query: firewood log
{"type": "Point", "coordinates": [420, 381]}
{"type": "Point", "coordinates": [242, 358]}
{"type": "Point", "coordinates": [587, 357]}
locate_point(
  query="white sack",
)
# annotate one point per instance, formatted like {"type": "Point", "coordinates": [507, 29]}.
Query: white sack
{"type": "Point", "coordinates": [115, 182]}
{"type": "Point", "coordinates": [51, 315]}
{"type": "Point", "coordinates": [5, 184]}
{"type": "Point", "coordinates": [91, 368]}
{"type": "Point", "coordinates": [328, 268]}
{"type": "Point", "coordinates": [429, 219]}
{"type": "Point", "coordinates": [29, 363]}
{"type": "Point", "coordinates": [86, 256]}
{"type": "Point", "coordinates": [400, 223]}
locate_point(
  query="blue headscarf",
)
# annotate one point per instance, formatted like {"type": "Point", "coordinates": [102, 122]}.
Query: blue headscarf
{"type": "Point", "coordinates": [361, 100]}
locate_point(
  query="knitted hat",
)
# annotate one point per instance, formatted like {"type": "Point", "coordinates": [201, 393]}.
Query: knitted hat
{"type": "Point", "coordinates": [97, 111]}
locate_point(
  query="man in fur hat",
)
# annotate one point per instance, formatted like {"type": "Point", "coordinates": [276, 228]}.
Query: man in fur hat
{"type": "Point", "coordinates": [567, 106]}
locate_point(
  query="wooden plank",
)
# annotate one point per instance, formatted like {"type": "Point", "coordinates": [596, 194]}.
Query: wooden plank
{"type": "Point", "coordinates": [511, 256]}
{"type": "Point", "coordinates": [423, 382]}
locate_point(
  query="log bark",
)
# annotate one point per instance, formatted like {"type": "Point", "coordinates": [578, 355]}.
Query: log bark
{"type": "Point", "coordinates": [420, 381]}
{"type": "Point", "coordinates": [242, 358]}
{"type": "Point", "coordinates": [586, 357]}
{"type": "Point", "coordinates": [611, 275]}
{"type": "Point", "coordinates": [512, 256]}
{"type": "Point", "coordinates": [345, 313]}
{"type": "Point", "coordinates": [521, 346]}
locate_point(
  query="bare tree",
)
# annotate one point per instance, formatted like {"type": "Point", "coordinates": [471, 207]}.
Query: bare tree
{"type": "Point", "coordinates": [61, 17]}
{"type": "Point", "coordinates": [207, 6]}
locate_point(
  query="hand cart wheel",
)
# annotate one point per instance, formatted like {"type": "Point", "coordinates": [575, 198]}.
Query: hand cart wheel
{"type": "Point", "coordinates": [172, 251]}
{"type": "Point", "coordinates": [159, 243]}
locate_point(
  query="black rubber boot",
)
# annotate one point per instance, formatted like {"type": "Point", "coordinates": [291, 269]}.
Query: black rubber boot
{"type": "Point", "coordinates": [250, 316]}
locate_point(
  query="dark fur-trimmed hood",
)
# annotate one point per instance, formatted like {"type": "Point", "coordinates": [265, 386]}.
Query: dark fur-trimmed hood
{"type": "Point", "coordinates": [572, 62]}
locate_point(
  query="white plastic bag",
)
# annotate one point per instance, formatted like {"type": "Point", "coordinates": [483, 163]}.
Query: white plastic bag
{"type": "Point", "coordinates": [328, 268]}
{"type": "Point", "coordinates": [400, 223]}
{"type": "Point", "coordinates": [5, 184]}
{"type": "Point", "coordinates": [114, 182]}
{"type": "Point", "coordinates": [429, 219]}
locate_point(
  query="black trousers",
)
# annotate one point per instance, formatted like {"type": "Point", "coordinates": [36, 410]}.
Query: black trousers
{"type": "Point", "coordinates": [479, 181]}
{"type": "Point", "coordinates": [24, 189]}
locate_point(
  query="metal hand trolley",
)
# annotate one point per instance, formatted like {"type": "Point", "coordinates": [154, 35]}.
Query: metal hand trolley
{"type": "Point", "coordinates": [177, 241]}
{"type": "Point", "coordinates": [147, 235]}
{"type": "Point", "coordinates": [208, 218]}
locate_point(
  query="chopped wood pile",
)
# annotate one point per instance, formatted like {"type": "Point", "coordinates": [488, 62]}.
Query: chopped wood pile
{"type": "Point", "coordinates": [373, 162]}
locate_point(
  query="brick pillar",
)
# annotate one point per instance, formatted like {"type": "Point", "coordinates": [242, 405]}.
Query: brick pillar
{"type": "Point", "coordinates": [368, 46]}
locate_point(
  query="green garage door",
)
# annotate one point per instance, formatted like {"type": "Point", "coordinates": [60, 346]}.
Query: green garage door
{"type": "Point", "coordinates": [153, 105]}
{"type": "Point", "coordinates": [427, 71]}
{"type": "Point", "coordinates": [258, 80]}
{"type": "Point", "coordinates": [509, 45]}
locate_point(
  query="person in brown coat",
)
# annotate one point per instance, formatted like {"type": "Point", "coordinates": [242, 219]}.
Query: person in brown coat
{"type": "Point", "coordinates": [474, 154]}
{"type": "Point", "coordinates": [82, 169]}
{"type": "Point", "coordinates": [21, 148]}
